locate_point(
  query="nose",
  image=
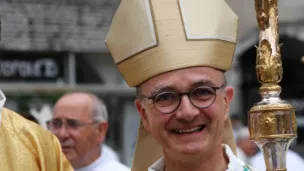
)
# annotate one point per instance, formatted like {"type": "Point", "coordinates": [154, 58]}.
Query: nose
{"type": "Point", "coordinates": [62, 133]}
{"type": "Point", "coordinates": [187, 111]}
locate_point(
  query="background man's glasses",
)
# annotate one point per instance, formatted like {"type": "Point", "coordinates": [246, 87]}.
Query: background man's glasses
{"type": "Point", "coordinates": [70, 124]}
{"type": "Point", "coordinates": [200, 97]}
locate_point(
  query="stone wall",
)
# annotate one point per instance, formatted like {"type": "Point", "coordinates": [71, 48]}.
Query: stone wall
{"type": "Point", "coordinates": [55, 25]}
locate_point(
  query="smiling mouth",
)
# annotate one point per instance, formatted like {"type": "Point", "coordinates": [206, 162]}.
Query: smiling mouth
{"type": "Point", "coordinates": [189, 130]}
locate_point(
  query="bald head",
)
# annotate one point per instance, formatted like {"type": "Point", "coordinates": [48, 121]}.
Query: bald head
{"type": "Point", "coordinates": [79, 122]}
{"type": "Point", "coordinates": [86, 101]}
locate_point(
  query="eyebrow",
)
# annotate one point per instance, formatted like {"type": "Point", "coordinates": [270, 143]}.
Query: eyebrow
{"type": "Point", "coordinates": [67, 119]}
{"type": "Point", "coordinates": [160, 88]}
{"type": "Point", "coordinates": [202, 82]}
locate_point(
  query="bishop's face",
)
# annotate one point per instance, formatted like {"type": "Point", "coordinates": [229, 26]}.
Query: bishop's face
{"type": "Point", "coordinates": [188, 129]}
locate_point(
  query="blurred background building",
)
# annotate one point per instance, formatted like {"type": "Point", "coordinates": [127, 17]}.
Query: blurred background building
{"type": "Point", "coordinates": [49, 47]}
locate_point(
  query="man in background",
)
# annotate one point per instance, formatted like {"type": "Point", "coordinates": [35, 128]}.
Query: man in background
{"type": "Point", "coordinates": [80, 123]}
{"type": "Point", "coordinates": [245, 147]}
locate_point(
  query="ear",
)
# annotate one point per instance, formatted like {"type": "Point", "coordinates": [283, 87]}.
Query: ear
{"type": "Point", "coordinates": [102, 131]}
{"type": "Point", "coordinates": [229, 91]}
{"type": "Point", "coordinates": [143, 115]}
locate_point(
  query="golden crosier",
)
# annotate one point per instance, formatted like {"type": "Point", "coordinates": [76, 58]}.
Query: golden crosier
{"type": "Point", "coordinates": [276, 170]}
{"type": "Point", "coordinates": [268, 66]}
{"type": "Point", "coordinates": [272, 122]}
{"type": "Point", "coordinates": [268, 63]}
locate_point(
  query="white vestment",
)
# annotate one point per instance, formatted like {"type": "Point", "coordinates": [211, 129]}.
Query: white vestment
{"type": "Point", "coordinates": [104, 164]}
{"type": "Point", "coordinates": [109, 154]}
{"type": "Point", "coordinates": [235, 164]}
{"type": "Point", "coordinates": [242, 156]}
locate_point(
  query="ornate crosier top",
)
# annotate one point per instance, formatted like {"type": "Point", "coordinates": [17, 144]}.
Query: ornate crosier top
{"type": "Point", "coordinates": [272, 121]}
{"type": "Point", "coordinates": [268, 64]}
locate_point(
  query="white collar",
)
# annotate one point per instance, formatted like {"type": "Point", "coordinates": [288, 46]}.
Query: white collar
{"type": "Point", "coordinates": [159, 165]}
{"type": "Point", "coordinates": [2, 102]}
{"type": "Point", "coordinates": [234, 162]}
{"type": "Point", "coordinates": [100, 160]}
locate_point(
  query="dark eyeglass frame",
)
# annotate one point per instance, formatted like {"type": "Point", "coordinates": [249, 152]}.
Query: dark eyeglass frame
{"type": "Point", "coordinates": [179, 95]}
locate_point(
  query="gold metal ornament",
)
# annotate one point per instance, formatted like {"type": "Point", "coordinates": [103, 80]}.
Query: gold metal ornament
{"type": "Point", "coordinates": [272, 122]}
{"type": "Point", "coordinates": [276, 170]}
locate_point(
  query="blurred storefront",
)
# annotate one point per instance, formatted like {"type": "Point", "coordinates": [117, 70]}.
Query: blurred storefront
{"type": "Point", "coordinates": [51, 47]}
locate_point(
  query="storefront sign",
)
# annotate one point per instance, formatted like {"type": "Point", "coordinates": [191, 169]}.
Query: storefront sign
{"type": "Point", "coordinates": [31, 66]}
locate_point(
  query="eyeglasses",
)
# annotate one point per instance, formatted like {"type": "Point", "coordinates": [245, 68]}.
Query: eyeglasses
{"type": "Point", "coordinates": [70, 124]}
{"type": "Point", "coordinates": [200, 97]}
